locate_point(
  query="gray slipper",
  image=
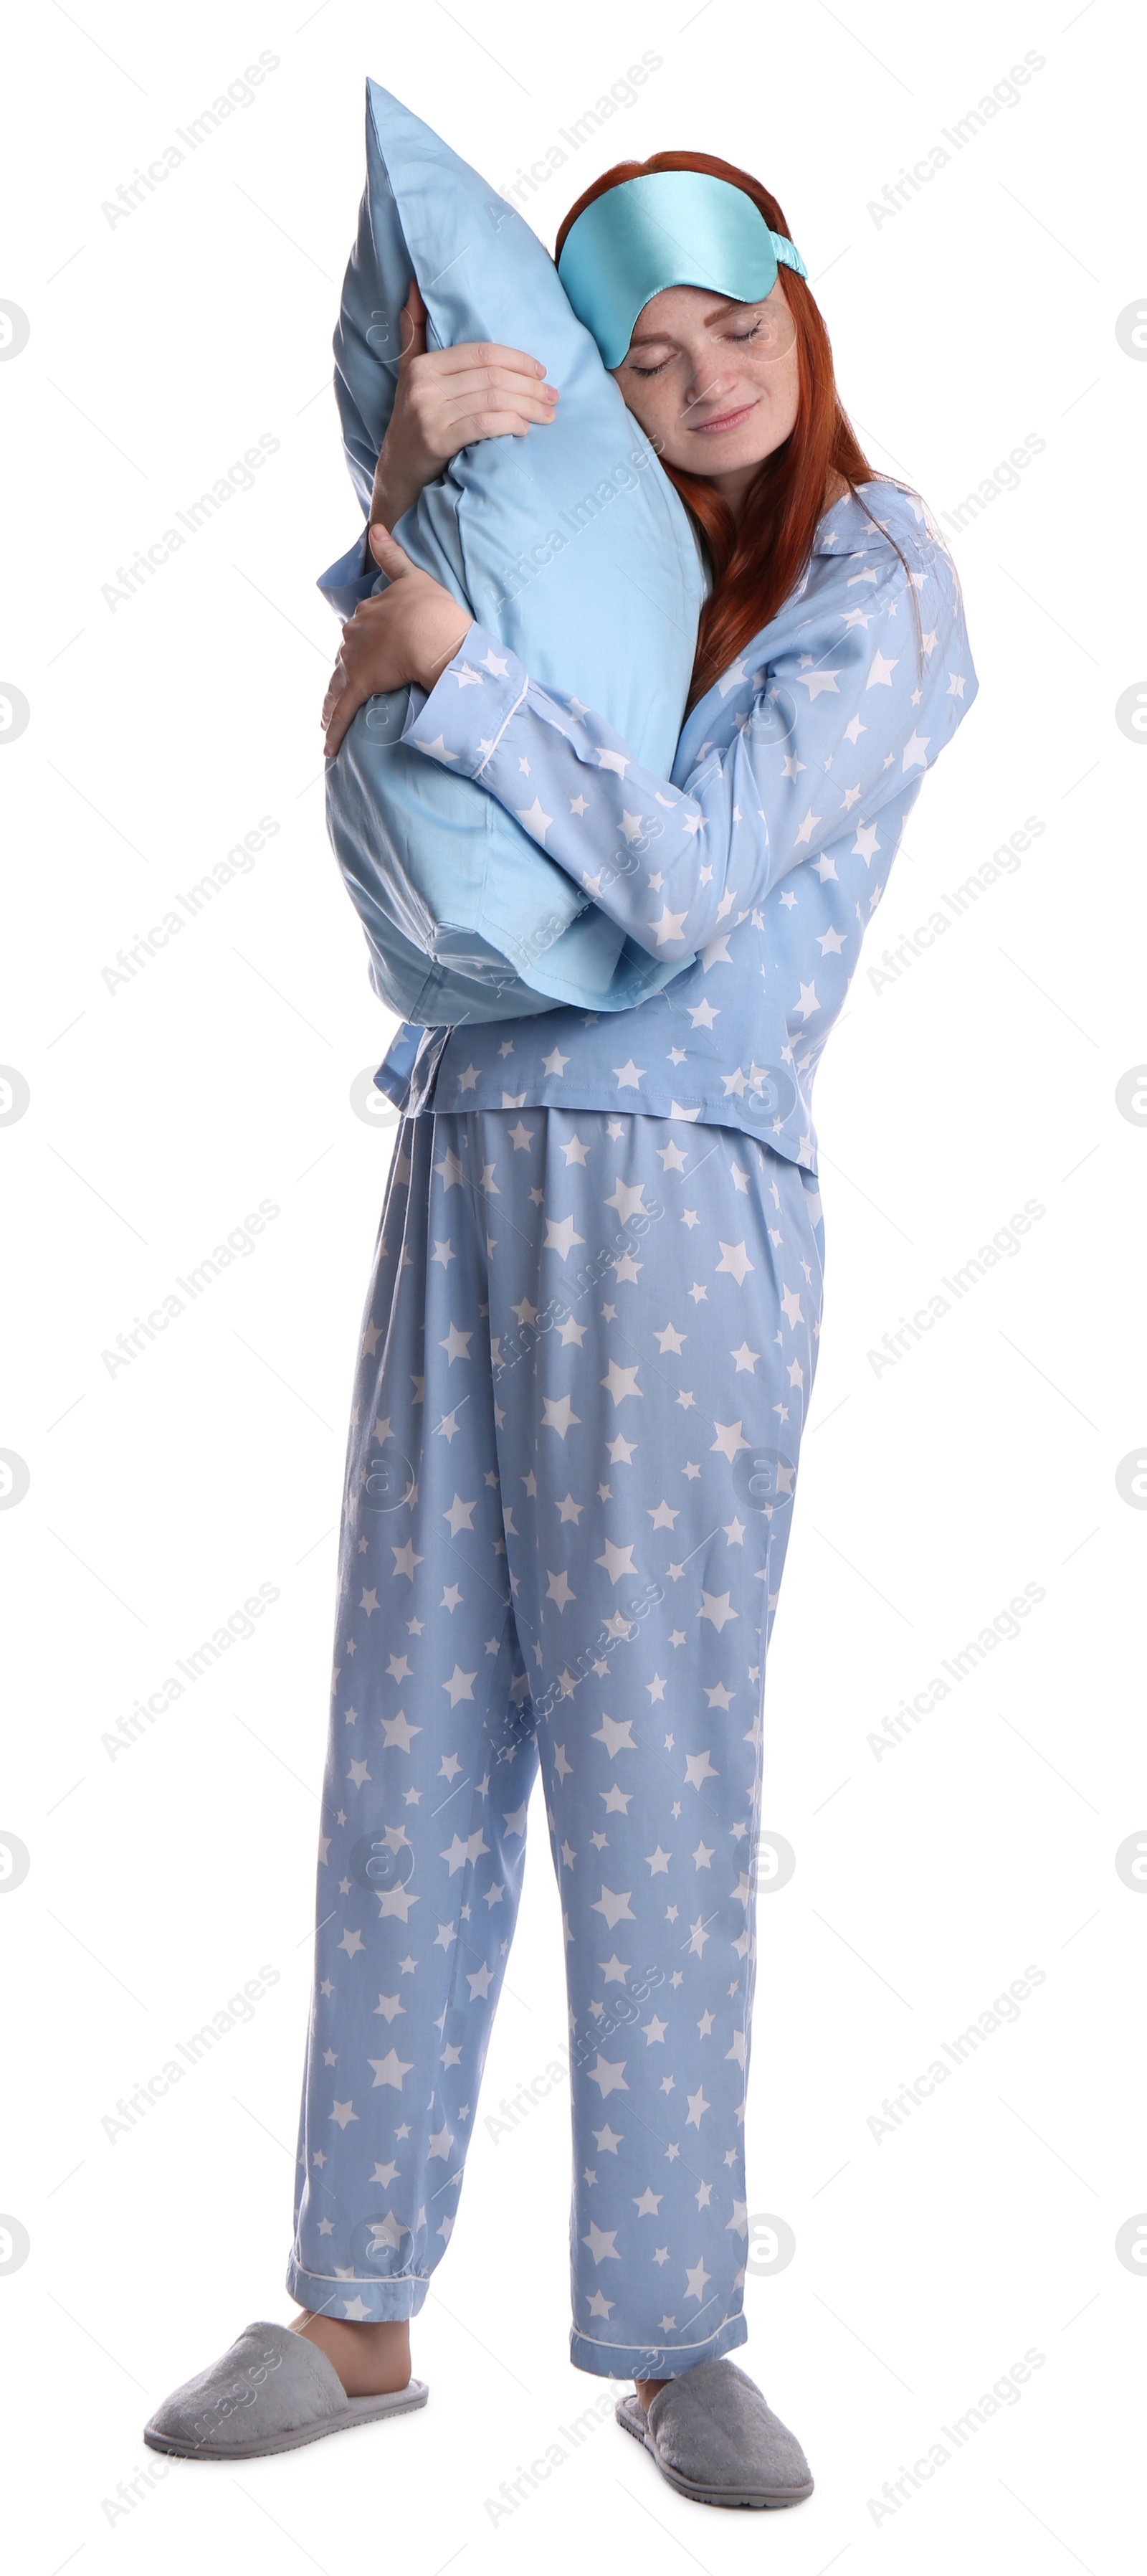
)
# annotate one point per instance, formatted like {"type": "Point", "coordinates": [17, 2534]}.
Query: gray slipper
{"type": "Point", "coordinates": [713, 2437]}
{"type": "Point", "coordinates": [271, 2392]}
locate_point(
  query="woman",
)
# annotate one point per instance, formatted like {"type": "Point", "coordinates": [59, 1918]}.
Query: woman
{"type": "Point", "coordinates": [588, 1354]}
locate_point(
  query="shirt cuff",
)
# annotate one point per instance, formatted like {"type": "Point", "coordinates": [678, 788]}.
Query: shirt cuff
{"type": "Point", "coordinates": [458, 728]}
{"type": "Point", "coordinates": [352, 579]}
{"type": "Point", "coordinates": [394, 1073]}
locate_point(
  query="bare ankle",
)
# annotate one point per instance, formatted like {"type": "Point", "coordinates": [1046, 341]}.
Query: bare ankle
{"type": "Point", "coordinates": [372, 2360]}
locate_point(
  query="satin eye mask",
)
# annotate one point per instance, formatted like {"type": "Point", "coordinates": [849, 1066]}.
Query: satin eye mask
{"type": "Point", "coordinates": [671, 228]}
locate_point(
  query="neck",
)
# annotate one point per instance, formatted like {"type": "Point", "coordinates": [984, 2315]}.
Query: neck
{"type": "Point", "coordinates": [735, 488]}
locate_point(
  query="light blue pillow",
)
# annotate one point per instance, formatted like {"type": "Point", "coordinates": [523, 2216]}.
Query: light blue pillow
{"type": "Point", "coordinates": [570, 544]}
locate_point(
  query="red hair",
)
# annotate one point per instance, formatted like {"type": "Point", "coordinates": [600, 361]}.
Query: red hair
{"type": "Point", "coordinates": [758, 561]}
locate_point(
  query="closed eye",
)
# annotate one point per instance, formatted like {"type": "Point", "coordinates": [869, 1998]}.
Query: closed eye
{"type": "Point", "coordinates": [664, 362]}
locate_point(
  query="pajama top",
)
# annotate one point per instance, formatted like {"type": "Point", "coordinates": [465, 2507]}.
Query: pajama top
{"type": "Point", "coordinates": [760, 862]}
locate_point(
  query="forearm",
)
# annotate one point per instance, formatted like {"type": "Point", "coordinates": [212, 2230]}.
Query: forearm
{"type": "Point", "coordinates": [397, 485]}
{"type": "Point", "coordinates": [810, 750]}
{"type": "Point", "coordinates": [652, 858]}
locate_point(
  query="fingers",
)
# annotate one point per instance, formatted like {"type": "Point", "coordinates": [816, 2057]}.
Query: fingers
{"type": "Point", "coordinates": [335, 686]}
{"type": "Point", "coordinates": [502, 385]}
{"type": "Point", "coordinates": [370, 659]}
{"type": "Point", "coordinates": [338, 715]}
{"type": "Point", "coordinates": [389, 557]}
{"type": "Point", "coordinates": [351, 683]}
{"type": "Point", "coordinates": [486, 402]}
{"type": "Point", "coordinates": [487, 353]}
{"type": "Point", "coordinates": [492, 403]}
{"type": "Point", "coordinates": [468, 428]}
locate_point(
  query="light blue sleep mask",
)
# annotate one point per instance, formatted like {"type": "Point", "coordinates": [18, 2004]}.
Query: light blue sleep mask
{"type": "Point", "coordinates": [670, 228]}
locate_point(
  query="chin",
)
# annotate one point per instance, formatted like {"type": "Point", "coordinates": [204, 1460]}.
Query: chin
{"type": "Point", "coordinates": [727, 455]}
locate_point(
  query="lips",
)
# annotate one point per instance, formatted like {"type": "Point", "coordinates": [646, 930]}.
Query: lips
{"type": "Point", "coordinates": [724, 420]}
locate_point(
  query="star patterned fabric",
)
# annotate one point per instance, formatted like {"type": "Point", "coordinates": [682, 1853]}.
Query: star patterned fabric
{"type": "Point", "coordinates": [760, 863]}
{"type": "Point", "coordinates": [586, 1361]}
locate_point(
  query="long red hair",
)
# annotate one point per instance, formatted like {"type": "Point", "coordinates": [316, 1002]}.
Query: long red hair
{"type": "Point", "coordinates": [758, 561]}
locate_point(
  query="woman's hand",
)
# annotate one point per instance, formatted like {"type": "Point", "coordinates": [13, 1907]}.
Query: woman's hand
{"type": "Point", "coordinates": [408, 632]}
{"type": "Point", "coordinates": [447, 399]}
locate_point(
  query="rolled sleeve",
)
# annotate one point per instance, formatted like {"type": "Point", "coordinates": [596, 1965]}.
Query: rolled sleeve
{"type": "Point", "coordinates": [352, 579]}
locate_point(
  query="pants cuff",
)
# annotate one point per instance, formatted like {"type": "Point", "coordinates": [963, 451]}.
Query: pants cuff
{"type": "Point", "coordinates": [364, 2302]}
{"type": "Point", "coordinates": [653, 2361]}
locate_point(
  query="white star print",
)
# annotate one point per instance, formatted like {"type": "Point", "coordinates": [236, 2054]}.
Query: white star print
{"type": "Point", "coordinates": [561, 1236]}
{"type": "Point", "coordinates": [460, 1685]}
{"type": "Point", "coordinates": [461, 1851]}
{"type": "Point", "coordinates": [735, 1259]}
{"type": "Point", "coordinates": [880, 671]}
{"type": "Point", "coordinates": [617, 1561]}
{"type": "Point", "coordinates": [601, 2243]}
{"type": "Point", "coordinates": [620, 1382]}
{"type": "Point", "coordinates": [716, 1606]}
{"type": "Point", "coordinates": [391, 2068]}
{"type": "Point", "coordinates": [667, 925]}
{"type": "Point", "coordinates": [558, 1414]}
{"type": "Point", "coordinates": [729, 1440]}
{"type": "Point", "coordinates": [534, 820]}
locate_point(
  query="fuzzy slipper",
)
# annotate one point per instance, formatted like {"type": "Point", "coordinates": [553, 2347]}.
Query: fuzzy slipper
{"type": "Point", "coordinates": [271, 2392]}
{"type": "Point", "coordinates": [713, 2437]}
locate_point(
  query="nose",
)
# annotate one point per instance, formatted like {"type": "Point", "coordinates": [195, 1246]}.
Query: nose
{"type": "Point", "coordinates": [707, 382]}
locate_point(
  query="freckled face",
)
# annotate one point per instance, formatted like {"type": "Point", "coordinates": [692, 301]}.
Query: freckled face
{"type": "Point", "coordinates": [713, 383]}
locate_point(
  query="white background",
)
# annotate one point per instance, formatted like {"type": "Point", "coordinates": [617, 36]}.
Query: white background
{"type": "Point", "coordinates": [985, 1459]}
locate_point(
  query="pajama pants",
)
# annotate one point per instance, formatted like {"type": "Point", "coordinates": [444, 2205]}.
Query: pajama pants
{"type": "Point", "coordinates": [586, 1362]}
